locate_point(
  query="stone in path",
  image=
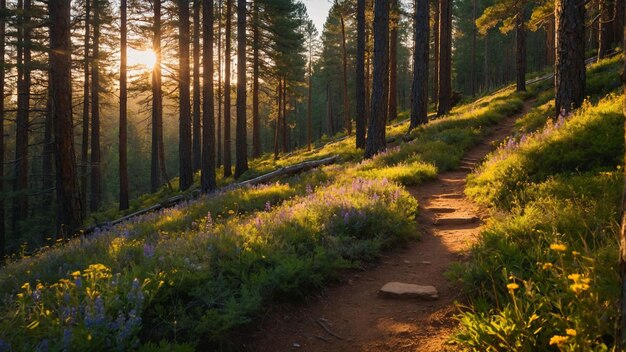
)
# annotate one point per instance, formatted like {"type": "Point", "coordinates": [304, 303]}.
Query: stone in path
{"type": "Point", "coordinates": [403, 290]}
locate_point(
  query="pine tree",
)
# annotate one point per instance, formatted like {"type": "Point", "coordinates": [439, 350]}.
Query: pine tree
{"type": "Point", "coordinates": [207, 177]}
{"type": "Point", "coordinates": [227, 90]}
{"type": "Point", "coordinates": [242, 135]}
{"type": "Point", "coordinates": [570, 55]}
{"type": "Point", "coordinates": [68, 190]}
{"type": "Point", "coordinates": [419, 91]}
{"type": "Point", "coordinates": [380, 93]}
{"type": "Point", "coordinates": [96, 173]}
{"type": "Point", "coordinates": [197, 133]}
{"type": "Point", "coordinates": [184, 155]}
{"type": "Point", "coordinates": [123, 135]}
{"type": "Point", "coordinates": [444, 94]}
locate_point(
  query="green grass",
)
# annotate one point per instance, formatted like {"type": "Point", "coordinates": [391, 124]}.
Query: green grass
{"type": "Point", "coordinates": [543, 275]}
{"type": "Point", "coordinates": [197, 273]}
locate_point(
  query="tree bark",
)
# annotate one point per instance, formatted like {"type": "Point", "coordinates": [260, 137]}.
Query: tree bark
{"type": "Point", "coordinates": [445, 57]}
{"type": "Point", "coordinates": [220, 97]}
{"type": "Point", "coordinates": [157, 170]}
{"type": "Point", "coordinates": [436, 38]}
{"type": "Point", "coordinates": [68, 190]}
{"type": "Point", "coordinates": [347, 119]}
{"type": "Point", "coordinates": [197, 129]}
{"type": "Point", "coordinates": [376, 131]}
{"type": "Point", "coordinates": [393, 59]}
{"type": "Point", "coordinates": [207, 177]}
{"type": "Point", "coordinates": [96, 178]}
{"type": "Point", "coordinates": [284, 114]}
{"type": "Point", "coordinates": [227, 88]}
{"type": "Point", "coordinates": [473, 51]}
{"type": "Point", "coordinates": [3, 242]}
{"type": "Point", "coordinates": [520, 56]}
{"type": "Point", "coordinates": [20, 185]}
{"type": "Point", "coordinates": [419, 90]}
{"type": "Point", "coordinates": [622, 237]}
{"type": "Point", "coordinates": [123, 142]}
{"type": "Point", "coordinates": [605, 30]}
{"type": "Point", "coordinates": [570, 55]}
{"type": "Point", "coordinates": [84, 155]}
{"type": "Point", "coordinates": [241, 150]}
{"type": "Point", "coordinates": [309, 117]}
{"type": "Point", "coordinates": [184, 132]}
{"type": "Point", "coordinates": [279, 97]}
{"type": "Point", "coordinates": [256, 125]}
{"type": "Point", "coordinates": [47, 153]}
{"type": "Point", "coordinates": [550, 44]}
{"type": "Point", "coordinates": [361, 118]}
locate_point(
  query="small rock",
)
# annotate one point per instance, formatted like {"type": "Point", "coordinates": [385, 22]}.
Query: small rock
{"type": "Point", "coordinates": [296, 345]}
{"type": "Point", "coordinates": [404, 290]}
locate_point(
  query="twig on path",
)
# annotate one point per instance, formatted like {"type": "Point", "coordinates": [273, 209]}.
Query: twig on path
{"type": "Point", "coordinates": [321, 323]}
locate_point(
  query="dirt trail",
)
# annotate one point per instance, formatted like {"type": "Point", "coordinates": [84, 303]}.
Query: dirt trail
{"type": "Point", "coordinates": [353, 316]}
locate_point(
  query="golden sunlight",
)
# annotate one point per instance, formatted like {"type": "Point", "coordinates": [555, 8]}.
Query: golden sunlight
{"type": "Point", "coordinates": [145, 58]}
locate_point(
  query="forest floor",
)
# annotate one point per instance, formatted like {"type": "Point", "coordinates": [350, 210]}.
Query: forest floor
{"type": "Point", "coordinates": [354, 316]}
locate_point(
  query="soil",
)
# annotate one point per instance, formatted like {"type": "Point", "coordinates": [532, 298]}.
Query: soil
{"type": "Point", "coordinates": [354, 316]}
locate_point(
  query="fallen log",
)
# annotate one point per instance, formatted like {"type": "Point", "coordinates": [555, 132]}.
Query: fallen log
{"type": "Point", "coordinates": [284, 171]}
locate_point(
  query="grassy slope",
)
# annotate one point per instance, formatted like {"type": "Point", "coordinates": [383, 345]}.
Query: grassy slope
{"type": "Point", "coordinates": [543, 275]}
{"type": "Point", "coordinates": [212, 264]}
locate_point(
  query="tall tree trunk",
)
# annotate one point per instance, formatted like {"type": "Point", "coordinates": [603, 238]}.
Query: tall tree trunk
{"type": "Point", "coordinates": [347, 119]}
{"type": "Point", "coordinates": [309, 117]}
{"type": "Point", "coordinates": [256, 126]}
{"type": "Point", "coordinates": [436, 38]}
{"type": "Point", "coordinates": [520, 55]}
{"type": "Point", "coordinates": [220, 97]}
{"type": "Point", "coordinates": [227, 87]}
{"type": "Point", "coordinates": [68, 190]}
{"type": "Point", "coordinates": [361, 118]}
{"type": "Point", "coordinates": [550, 44]}
{"type": "Point", "coordinates": [284, 114]}
{"type": "Point", "coordinates": [123, 142]}
{"type": "Point", "coordinates": [394, 15]}
{"type": "Point", "coordinates": [445, 57]}
{"type": "Point", "coordinates": [380, 92]}
{"type": "Point", "coordinates": [47, 177]}
{"type": "Point", "coordinates": [618, 23]}
{"type": "Point", "coordinates": [570, 55]}
{"type": "Point", "coordinates": [241, 150]}
{"type": "Point", "coordinates": [207, 177]}
{"type": "Point", "coordinates": [605, 30]}
{"type": "Point", "coordinates": [84, 154]}
{"type": "Point", "coordinates": [157, 104]}
{"type": "Point", "coordinates": [184, 131]}
{"type": "Point", "coordinates": [20, 205]}
{"type": "Point", "coordinates": [473, 51]}
{"type": "Point", "coordinates": [279, 100]}
{"type": "Point", "coordinates": [329, 111]}
{"type": "Point", "coordinates": [197, 129]}
{"type": "Point", "coordinates": [96, 178]}
{"type": "Point", "coordinates": [622, 237]}
{"type": "Point", "coordinates": [419, 90]}
{"type": "Point", "coordinates": [3, 242]}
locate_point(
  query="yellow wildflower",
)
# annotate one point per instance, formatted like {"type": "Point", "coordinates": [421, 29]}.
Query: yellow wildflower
{"type": "Point", "coordinates": [76, 273]}
{"type": "Point", "coordinates": [558, 340]}
{"type": "Point", "coordinates": [574, 277]}
{"type": "Point", "coordinates": [575, 253]}
{"type": "Point", "coordinates": [533, 318]}
{"type": "Point", "coordinates": [547, 266]}
{"type": "Point", "coordinates": [558, 247]}
{"type": "Point", "coordinates": [512, 286]}
{"type": "Point", "coordinates": [231, 212]}
{"type": "Point", "coordinates": [570, 332]}
{"type": "Point", "coordinates": [585, 280]}
{"type": "Point", "coordinates": [578, 288]}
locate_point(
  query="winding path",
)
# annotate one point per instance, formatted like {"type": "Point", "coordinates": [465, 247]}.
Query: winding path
{"type": "Point", "coordinates": [354, 317]}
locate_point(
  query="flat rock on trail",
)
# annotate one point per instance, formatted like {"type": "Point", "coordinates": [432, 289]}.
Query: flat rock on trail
{"type": "Point", "coordinates": [354, 316]}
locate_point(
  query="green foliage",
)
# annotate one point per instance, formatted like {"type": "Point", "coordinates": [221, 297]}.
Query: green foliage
{"type": "Point", "coordinates": [543, 274]}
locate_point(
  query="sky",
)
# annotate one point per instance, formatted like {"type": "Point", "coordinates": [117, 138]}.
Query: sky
{"type": "Point", "coordinates": [318, 11]}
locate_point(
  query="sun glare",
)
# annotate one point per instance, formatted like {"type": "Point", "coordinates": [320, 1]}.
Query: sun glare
{"type": "Point", "coordinates": [145, 58]}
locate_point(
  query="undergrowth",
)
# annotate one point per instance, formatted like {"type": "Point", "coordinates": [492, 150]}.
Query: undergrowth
{"type": "Point", "coordinates": [199, 272]}
{"type": "Point", "coordinates": [543, 274]}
